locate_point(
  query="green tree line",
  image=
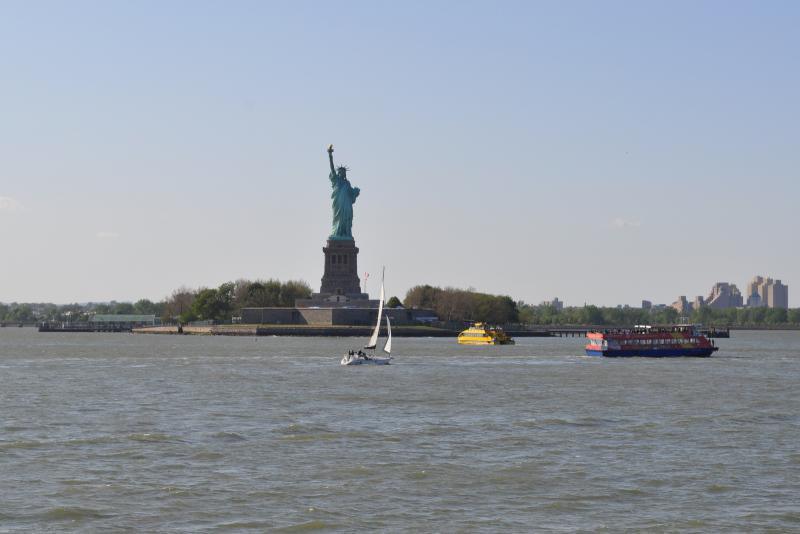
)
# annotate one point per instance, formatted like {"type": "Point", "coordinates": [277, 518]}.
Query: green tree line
{"type": "Point", "coordinates": [621, 316]}
{"type": "Point", "coordinates": [462, 305]}
{"type": "Point", "coordinates": [452, 304]}
{"type": "Point", "coordinates": [35, 312]}
{"type": "Point", "coordinates": [222, 303]}
{"type": "Point", "coordinates": [184, 304]}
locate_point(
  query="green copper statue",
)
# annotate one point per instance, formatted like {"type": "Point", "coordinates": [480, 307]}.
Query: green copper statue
{"type": "Point", "coordinates": [344, 196]}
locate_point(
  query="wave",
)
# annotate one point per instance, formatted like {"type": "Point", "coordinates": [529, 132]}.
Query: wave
{"type": "Point", "coordinates": [239, 525]}
{"type": "Point", "coordinates": [207, 455]}
{"type": "Point", "coordinates": [22, 444]}
{"type": "Point", "coordinates": [14, 428]}
{"type": "Point", "coordinates": [151, 437]}
{"type": "Point", "coordinates": [322, 436]}
{"type": "Point", "coordinates": [557, 421]}
{"type": "Point", "coordinates": [308, 526]}
{"type": "Point", "coordinates": [229, 436]}
{"type": "Point", "coordinates": [313, 432]}
{"type": "Point", "coordinates": [719, 488]}
{"type": "Point", "coordinates": [72, 513]}
{"type": "Point", "coordinates": [98, 440]}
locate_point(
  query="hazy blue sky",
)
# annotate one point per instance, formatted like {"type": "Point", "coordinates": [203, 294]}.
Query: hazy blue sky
{"type": "Point", "coordinates": [601, 152]}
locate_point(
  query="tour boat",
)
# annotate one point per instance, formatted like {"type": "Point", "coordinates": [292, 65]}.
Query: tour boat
{"type": "Point", "coordinates": [480, 334]}
{"type": "Point", "coordinates": [359, 357]}
{"type": "Point", "coordinates": [651, 341]}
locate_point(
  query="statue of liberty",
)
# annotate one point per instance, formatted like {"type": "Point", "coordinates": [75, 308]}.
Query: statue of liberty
{"type": "Point", "coordinates": [344, 196]}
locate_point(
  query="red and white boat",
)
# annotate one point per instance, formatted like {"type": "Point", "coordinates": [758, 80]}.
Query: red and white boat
{"type": "Point", "coordinates": [650, 341]}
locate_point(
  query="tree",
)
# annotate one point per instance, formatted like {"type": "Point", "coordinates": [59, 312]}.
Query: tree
{"type": "Point", "coordinates": [776, 316]}
{"type": "Point", "coordinates": [204, 305]}
{"type": "Point", "coordinates": [178, 304]}
{"type": "Point", "coordinates": [264, 294]}
{"type": "Point", "coordinates": [292, 290]}
{"type": "Point", "coordinates": [452, 304]}
{"type": "Point", "coordinates": [422, 296]}
{"type": "Point", "coordinates": [22, 313]}
{"type": "Point", "coordinates": [591, 315]}
{"type": "Point", "coordinates": [122, 308]}
{"type": "Point", "coordinates": [240, 295]}
{"type": "Point", "coordinates": [702, 315]}
{"type": "Point", "coordinates": [145, 307]}
{"type": "Point", "coordinates": [394, 302]}
{"type": "Point", "coordinates": [214, 304]}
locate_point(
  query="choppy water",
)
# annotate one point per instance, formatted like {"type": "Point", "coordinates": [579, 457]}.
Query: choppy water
{"type": "Point", "coordinates": [102, 433]}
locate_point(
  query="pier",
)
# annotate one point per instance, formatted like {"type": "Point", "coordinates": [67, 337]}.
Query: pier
{"type": "Point", "coordinates": [82, 327]}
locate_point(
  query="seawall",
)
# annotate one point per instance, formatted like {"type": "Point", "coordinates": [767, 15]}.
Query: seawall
{"type": "Point", "coordinates": [294, 330]}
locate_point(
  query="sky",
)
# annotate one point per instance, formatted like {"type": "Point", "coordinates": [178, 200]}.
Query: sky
{"type": "Point", "coordinates": [600, 152]}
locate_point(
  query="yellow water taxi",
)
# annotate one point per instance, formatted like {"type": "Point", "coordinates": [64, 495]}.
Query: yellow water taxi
{"type": "Point", "coordinates": [481, 334]}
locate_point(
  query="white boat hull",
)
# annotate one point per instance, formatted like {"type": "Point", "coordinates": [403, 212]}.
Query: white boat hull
{"type": "Point", "coordinates": [361, 360]}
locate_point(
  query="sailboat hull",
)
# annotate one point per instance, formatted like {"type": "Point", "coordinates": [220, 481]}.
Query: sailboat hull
{"type": "Point", "coordinates": [361, 360]}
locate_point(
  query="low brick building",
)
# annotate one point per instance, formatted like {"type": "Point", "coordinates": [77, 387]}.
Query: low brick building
{"type": "Point", "coordinates": [334, 316]}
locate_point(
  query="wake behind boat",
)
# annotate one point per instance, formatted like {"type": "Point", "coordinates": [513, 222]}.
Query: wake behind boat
{"type": "Point", "coordinates": [359, 357]}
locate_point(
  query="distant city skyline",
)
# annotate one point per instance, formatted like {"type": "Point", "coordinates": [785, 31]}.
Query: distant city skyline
{"type": "Point", "coordinates": [761, 293]}
{"type": "Point", "coordinates": [601, 152]}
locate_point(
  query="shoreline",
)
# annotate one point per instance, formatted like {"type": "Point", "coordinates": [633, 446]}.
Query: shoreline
{"type": "Point", "coordinates": [363, 331]}
{"type": "Point", "coordinates": [293, 330]}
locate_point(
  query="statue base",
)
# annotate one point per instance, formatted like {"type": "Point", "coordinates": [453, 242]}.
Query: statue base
{"type": "Point", "coordinates": [341, 285]}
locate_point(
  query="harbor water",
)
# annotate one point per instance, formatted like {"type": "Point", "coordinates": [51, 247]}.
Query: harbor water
{"type": "Point", "coordinates": [138, 433]}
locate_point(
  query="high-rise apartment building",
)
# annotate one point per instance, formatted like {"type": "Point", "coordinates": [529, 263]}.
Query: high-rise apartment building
{"type": "Point", "coordinates": [555, 303]}
{"type": "Point", "coordinates": [778, 295]}
{"type": "Point", "coordinates": [724, 295]}
{"type": "Point", "coordinates": [682, 305]}
{"type": "Point", "coordinates": [768, 293]}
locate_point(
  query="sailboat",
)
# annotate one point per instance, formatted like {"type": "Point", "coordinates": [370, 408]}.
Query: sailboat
{"type": "Point", "coordinates": [360, 357]}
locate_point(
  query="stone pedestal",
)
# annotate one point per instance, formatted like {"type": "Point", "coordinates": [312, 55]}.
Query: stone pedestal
{"type": "Point", "coordinates": [341, 270]}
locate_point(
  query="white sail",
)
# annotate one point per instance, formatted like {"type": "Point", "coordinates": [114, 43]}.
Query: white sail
{"type": "Point", "coordinates": [373, 341]}
{"type": "Point", "coordinates": [388, 347]}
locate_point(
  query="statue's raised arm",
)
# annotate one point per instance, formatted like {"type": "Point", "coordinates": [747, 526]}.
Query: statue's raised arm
{"type": "Point", "coordinates": [330, 158]}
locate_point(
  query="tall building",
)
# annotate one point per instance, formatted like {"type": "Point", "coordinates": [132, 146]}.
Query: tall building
{"type": "Point", "coordinates": [754, 300]}
{"type": "Point", "coordinates": [724, 295]}
{"type": "Point", "coordinates": [555, 303]}
{"type": "Point", "coordinates": [753, 291]}
{"type": "Point", "coordinates": [766, 292]}
{"type": "Point", "coordinates": [778, 295]}
{"type": "Point", "coordinates": [682, 305]}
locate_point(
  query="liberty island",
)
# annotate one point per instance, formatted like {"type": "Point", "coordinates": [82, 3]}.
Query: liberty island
{"type": "Point", "coordinates": [340, 300]}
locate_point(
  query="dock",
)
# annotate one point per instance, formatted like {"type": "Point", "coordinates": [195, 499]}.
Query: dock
{"type": "Point", "coordinates": [82, 327]}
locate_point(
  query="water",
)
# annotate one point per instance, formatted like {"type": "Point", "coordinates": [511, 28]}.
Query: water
{"type": "Point", "coordinates": [128, 433]}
